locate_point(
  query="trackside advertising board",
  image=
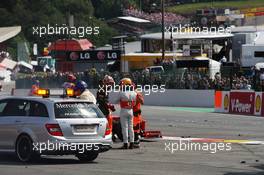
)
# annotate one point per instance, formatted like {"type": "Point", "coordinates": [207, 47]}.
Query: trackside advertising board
{"type": "Point", "coordinates": [222, 101]}
{"type": "Point", "coordinates": [242, 103]}
{"type": "Point", "coordinates": [258, 103]}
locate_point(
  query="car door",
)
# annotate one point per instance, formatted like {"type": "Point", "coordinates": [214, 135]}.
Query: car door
{"type": "Point", "coordinates": [3, 122]}
{"type": "Point", "coordinates": [35, 120]}
{"type": "Point", "coordinates": [11, 121]}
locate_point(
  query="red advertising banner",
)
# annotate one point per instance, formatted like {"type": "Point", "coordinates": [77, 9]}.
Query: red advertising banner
{"type": "Point", "coordinates": [242, 103]}
{"type": "Point", "coordinates": [262, 105]}
{"type": "Point", "coordinates": [259, 13]}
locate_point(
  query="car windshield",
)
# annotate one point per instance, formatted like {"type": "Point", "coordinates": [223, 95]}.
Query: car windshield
{"type": "Point", "coordinates": [76, 110]}
{"type": "Point", "coordinates": [156, 69]}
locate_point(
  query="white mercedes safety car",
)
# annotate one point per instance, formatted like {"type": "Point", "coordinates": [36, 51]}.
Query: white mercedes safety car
{"type": "Point", "coordinates": [35, 126]}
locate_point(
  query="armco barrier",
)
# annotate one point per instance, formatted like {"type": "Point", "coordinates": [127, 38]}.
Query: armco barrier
{"type": "Point", "coordinates": [176, 97]}
{"type": "Point", "coordinates": [171, 97]}
{"type": "Point", "coordinates": [179, 97]}
{"type": "Point", "coordinates": [239, 102]}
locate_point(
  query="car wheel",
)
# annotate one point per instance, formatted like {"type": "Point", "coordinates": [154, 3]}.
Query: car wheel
{"type": "Point", "coordinates": [24, 149]}
{"type": "Point", "coordinates": [87, 157]}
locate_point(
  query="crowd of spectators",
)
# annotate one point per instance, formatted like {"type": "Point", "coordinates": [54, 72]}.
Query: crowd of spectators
{"type": "Point", "coordinates": [169, 18]}
{"type": "Point", "coordinates": [172, 80]}
{"type": "Point", "coordinates": [238, 82]}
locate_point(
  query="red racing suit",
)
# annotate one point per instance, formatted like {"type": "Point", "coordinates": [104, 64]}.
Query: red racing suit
{"type": "Point", "coordinates": [137, 112]}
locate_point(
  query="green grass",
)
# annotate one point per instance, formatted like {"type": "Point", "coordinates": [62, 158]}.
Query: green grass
{"type": "Point", "coordinates": [189, 109]}
{"type": "Point", "coordinates": [191, 8]}
{"type": "Point", "coordinates": [186, 109]}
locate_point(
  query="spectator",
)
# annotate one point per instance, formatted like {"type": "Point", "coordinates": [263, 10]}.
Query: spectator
{"type": "Point", "coordinates": [190, 80]}
{"type": "Point", "coordinates": [169, 18]}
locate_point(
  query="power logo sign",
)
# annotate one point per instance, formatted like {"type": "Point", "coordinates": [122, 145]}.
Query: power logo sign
{"type": "Point", "coordinates": [226, 102]}
{"type": "Point", "coordinates": [242, 103]}
{"type": "Point", "coordinates": [258, 103]}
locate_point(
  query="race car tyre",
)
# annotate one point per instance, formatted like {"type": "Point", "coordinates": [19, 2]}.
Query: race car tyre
{"type": "Point", "coordinates": [24, 149]}
{"type": "Point", "coordinates": [87, 157]}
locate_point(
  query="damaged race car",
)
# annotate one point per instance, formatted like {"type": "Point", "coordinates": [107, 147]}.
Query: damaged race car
{"type": "Point", "coordinates": [138, 125]}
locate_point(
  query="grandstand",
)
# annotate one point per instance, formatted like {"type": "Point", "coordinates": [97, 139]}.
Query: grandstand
{"type": "Point", "coordinates": [185, 7]}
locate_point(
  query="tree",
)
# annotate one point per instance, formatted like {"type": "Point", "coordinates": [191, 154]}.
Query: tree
{"type": "Point", "coordinates": [32, 13]}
